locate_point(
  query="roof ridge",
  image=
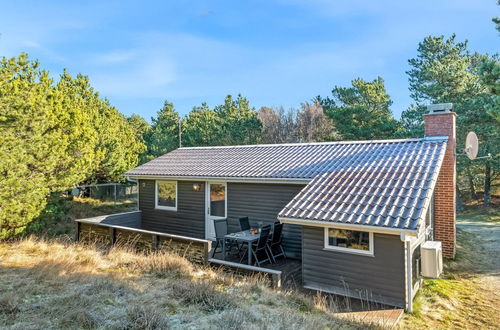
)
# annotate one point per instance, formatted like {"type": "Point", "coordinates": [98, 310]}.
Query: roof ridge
{"type": "Point", "coordinates": [424, 139]}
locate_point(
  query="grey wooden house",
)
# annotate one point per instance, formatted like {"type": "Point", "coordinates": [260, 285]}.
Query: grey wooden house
{"type": "Point", "coordinates": [355, 212]}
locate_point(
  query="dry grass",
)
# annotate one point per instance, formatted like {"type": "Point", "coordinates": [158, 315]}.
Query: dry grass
{"type": "Point", "coordinates": [60, 284]}
{"type": "Point", "coordinates": [466, 296]}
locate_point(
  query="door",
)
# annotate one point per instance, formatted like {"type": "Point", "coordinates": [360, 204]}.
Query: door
{"type": "Point", "coordinates": [216, 206]}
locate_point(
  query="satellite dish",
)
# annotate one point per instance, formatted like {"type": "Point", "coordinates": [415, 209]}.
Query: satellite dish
{"type": "Point", "coordinates": [471, 145]}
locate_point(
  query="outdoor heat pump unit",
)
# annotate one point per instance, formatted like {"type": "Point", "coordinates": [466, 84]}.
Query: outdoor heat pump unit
{"type": "Point", "coordinates": [431, 259]}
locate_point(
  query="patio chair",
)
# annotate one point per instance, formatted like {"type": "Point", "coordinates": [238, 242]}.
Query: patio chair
{"type": "Point", "coordinates": [244, 223]}
{"type": "Point", "coordinates": [275, 242]}
{"type": "Point", "coordinates": [221, 231]}
{"type": "Point", "coordinates": [272, 232]}
{"type": "Point", "coordinates": [260, 248]}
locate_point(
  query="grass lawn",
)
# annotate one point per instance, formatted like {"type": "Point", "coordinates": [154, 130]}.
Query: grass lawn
{"type": "Point", "coordinates": [46, 284]}
{"type": "Point", "coordinates": [56, 283]}
{"type": "Point", "coordinates": [467, 295]}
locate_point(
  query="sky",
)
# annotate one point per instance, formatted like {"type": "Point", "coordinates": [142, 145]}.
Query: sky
{"type": "Point", "coordinates": [276, 53]}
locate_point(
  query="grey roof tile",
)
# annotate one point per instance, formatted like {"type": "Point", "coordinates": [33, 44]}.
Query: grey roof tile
{"type": "Point", "coordinates": [389, 187]}
{"type": "Point", "coordinates": [375, 183]}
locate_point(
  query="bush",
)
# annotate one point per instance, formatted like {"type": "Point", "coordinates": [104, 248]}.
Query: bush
{"type": "Point", "coordinates": [51, 221]}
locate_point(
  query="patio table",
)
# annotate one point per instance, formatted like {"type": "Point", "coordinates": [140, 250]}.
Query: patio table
{"type": "Point", "coordinates": [244, 237]}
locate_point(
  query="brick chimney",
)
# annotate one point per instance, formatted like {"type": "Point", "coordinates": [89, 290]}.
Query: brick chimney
{"type": "Point", "coordinates": [440, 121]}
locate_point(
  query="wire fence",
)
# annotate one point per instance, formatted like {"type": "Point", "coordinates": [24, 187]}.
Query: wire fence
{"type": "Point", "coordinates": [109, 192]}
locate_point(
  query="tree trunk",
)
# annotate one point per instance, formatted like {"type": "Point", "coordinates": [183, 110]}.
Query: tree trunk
{"type": "Point", "coordinates": [487, 184]}
{"type": "Point", "coordinates": [459, 205]}
{"type": "Point", "coordinates": [472, 189]}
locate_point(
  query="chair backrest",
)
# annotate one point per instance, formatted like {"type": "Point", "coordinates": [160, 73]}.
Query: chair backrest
{"type": "Point", "coordinates": [244, 223]}
{"type": "Point", "coordinates": [278, 229]}
{"type": "Point", "coordinates": [220, 228]}
{"type": "Point", "coordinates": [264, 236]}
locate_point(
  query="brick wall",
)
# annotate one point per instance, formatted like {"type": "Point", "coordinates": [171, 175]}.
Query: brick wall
{"type": "Point", "coordinates": [443, 124]}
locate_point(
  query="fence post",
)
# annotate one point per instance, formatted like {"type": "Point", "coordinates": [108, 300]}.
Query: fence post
{"type": "Point", "coordinates": [276, 280]}
{"type": "Point", "coordinates": [208, 247]}
{"type": "Point", "coordinates": [78, 229]}
{"type": "Point", "coordinates": [156, 242]}
{"type": "Point", "coordinates": [112, 234]}
{"type": "Point", "coordinates": [115, 191]}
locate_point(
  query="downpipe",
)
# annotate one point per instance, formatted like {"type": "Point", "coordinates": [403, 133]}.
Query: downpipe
{"type": "Point", "coordinates": [409, 286]}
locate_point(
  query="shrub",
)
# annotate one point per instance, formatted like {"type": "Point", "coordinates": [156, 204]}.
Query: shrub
{"type": "Point", "coordinates": [50, 219]}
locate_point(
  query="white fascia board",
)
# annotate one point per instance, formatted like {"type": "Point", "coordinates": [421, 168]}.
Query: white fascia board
{"type": "Point", "coordinates": [375, 229]}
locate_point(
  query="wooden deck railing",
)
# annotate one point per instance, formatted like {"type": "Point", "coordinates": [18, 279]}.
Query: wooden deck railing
{"type": "Point", "coordinates": [124, 229]}
{"type": "Point", "coordinates": [93, 230]}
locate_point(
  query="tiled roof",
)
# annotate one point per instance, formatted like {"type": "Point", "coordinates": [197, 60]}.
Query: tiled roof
{"type": "Point", "coordinates": [373, 183]}
{"type": "Point", "coordinates": [279, 161]}
{"type": "Point", "coordinates": [385, 185]}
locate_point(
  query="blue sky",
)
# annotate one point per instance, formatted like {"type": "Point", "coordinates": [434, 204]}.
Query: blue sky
{"type": "Point", "coordinates": [139, 53]}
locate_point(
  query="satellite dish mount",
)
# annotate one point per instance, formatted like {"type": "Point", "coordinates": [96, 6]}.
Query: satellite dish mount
{"type": "Point", "coordinates": [472, 146]}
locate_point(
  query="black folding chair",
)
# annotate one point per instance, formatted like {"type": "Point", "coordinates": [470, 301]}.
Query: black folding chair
{"type": "Point", "coordinates": [260, 249]}
{"type": "Point", "coordinates": [275, 242]}
{"type": "Point", "coordinates": [244, 223]}
{"type": "Point", "coordinates": [221, 231]}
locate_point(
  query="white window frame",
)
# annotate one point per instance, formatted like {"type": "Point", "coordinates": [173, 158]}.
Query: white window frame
{"type": "Point", "coordinates": [368, 252]}
{"type": "Point", "coordinates": [207, 204]}
{"type": "Point", "coordinates": [162, 207]}
{"type": "Point", "coordinates": [429, 228]}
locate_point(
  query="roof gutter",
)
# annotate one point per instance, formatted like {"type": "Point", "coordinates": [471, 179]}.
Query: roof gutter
{"type": "Point", "coordinates": [223, 178]}
{"type": "Point", "coordinates": [375, 229]}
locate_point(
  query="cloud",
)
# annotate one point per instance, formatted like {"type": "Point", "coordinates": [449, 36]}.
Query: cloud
{"type": "Point", "coordinates": [179, 66]}
{"type": "Point", "coordinates": [274, 55]}
{"type": "Point", "coordinates": [115, 56]}
{"type": "Point", "coordinates": [135, 73]}
{"type": "Point", "coordinates": [334, 8]}
{"type": "Point", "coordinates": [30, 44]}
{"type": "Point", "coordinates": [205, 13]}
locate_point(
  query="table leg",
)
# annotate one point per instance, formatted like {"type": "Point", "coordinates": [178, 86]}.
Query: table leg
{"type": "Point", "coordinates": [249, 253]}
{"type": "Point", "coordinates": [224, 249]}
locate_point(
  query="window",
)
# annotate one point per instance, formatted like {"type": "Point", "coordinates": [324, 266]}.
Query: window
{"type": "Point", "coordinates": [217, 200]}
{"type": "Point", "coordinates": [415, 269]}
{"type": "Point", "coordinates": [166, 195]}
{"type": "Point", "coordinates": [350, 241]}
{"type": "Point", "coordinates": [429, 220]}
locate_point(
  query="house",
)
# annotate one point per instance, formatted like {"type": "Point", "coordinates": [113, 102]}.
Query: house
{"type": "Point", "coordinates": [355, 213]}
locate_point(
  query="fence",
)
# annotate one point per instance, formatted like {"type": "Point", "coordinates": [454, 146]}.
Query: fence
{"type": "Point", "coordinates": [115, 192]}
